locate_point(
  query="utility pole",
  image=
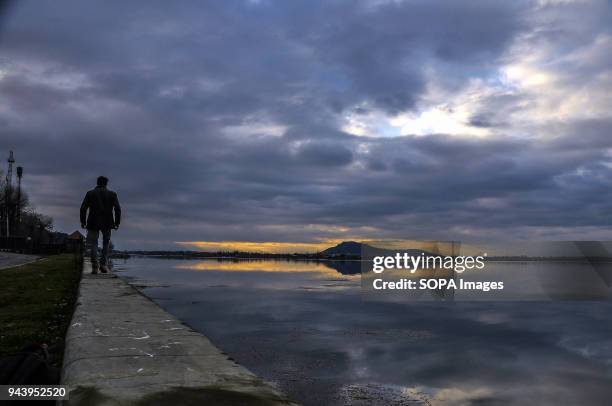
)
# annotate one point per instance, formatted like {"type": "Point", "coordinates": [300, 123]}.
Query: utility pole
{"type": "Point", "coordinates": [8, 192]}
{"type": "Point", "coordinates": [9, 174]}
{"type": "Point", "coordinates": [18, 205]}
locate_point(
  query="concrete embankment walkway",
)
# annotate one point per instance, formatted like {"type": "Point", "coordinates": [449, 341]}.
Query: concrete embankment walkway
{"type": "Point", "coordinates": [123, 349]}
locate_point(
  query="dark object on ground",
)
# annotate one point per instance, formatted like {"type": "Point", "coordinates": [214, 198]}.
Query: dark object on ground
{"type": "Point", "coordinates": [30, 366]}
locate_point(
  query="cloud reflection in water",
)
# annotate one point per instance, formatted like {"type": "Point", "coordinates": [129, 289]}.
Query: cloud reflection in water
{"type": "Point", "coordinates": [324, 345]}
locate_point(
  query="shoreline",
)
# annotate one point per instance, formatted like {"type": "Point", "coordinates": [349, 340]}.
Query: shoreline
{"type": "Point", "coordinates": [122, 347]}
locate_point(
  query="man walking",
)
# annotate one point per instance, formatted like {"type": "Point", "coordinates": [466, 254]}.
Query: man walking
{"type": "Point", "coordinates": [101, 203]}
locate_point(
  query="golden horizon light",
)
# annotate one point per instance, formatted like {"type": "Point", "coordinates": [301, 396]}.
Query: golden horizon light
{"type": "Point", "coordinates": [283, 247]}
{"type": "Point", "coordinates": [271, 247]}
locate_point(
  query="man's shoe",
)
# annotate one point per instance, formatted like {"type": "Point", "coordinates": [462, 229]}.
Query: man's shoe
{"type": "Point", "coordinates": [104, 268]}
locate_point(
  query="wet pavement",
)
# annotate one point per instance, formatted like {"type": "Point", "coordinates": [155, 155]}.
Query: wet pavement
{"type": "Point", "coordinates": [9, 259]}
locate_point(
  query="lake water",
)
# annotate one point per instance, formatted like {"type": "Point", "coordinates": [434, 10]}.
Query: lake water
{"type": "Point", "coordinates": [305, 328]}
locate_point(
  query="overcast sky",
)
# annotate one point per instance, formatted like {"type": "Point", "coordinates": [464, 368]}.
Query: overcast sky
{"type": "Point", "coordinates": [306, 121]}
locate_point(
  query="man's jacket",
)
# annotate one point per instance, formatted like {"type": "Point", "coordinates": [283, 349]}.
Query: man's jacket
{"type": "Point", "coordinates": [101, 203]}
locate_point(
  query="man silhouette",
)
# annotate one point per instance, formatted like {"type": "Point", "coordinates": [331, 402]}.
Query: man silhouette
{"type": "Point", "coordinates": [101, 203]}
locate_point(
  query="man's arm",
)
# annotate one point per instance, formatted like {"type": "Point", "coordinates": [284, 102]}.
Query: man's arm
{"type": "Point", "coordinates": [117, 209]}
{"type": "Point", "coordinates": [84, 207]}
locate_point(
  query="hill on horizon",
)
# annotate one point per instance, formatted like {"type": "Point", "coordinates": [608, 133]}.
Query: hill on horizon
{"type": "Point", "coordinates": [354, 248]}
{"type": "Point", "coordinates": [346, 248]}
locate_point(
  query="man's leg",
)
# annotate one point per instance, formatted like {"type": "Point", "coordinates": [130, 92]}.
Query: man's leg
{"type": "Point", "coordinates": [92, 243]}
{"type": "Point", "coordinates": [106, 236]}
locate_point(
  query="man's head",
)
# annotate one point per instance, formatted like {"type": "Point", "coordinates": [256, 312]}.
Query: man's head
{"type": "Point", "coordinates": [102, 181]}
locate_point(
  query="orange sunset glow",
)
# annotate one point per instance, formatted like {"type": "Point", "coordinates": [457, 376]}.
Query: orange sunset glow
{"type": "Point", "coordinates": [277, 247]}
{"type": "Point", "coordinates": [273, 247]}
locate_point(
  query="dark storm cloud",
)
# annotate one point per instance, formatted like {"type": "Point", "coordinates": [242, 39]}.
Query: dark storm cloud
{"type": "Point", "coordinates": [223, 120]}
{"type": "Point", "coordinates": [325, 154]}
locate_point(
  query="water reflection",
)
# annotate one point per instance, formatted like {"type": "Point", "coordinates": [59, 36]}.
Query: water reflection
{"type": "Point", "coordinates": [330, 268]}
{"type": "Point", "coordinates": [307, 330]}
